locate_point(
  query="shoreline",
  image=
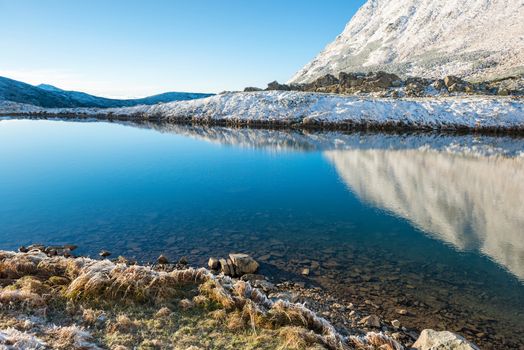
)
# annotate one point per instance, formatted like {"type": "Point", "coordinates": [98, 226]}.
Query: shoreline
{"type": "Point", "coordinates": [314, 111]}
{"type": "Point", "coordinates": [48, 278]}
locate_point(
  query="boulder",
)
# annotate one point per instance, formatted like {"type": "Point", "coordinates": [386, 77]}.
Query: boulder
{"type": "Point", "coordinates": [244, 263]}
{"type": "Point", "coordinates": [451, 80]}
{"type": "Point", "coordinates": [213, 264]}
{"type": "Point", "coordinates": [104, 253]}
{"type": "Point", "coordinates": [503, 92]}
{"type": "Point", "coordinates": [458, 87]}
{"type": "Point", "coordinates": [252, 89]}
{"type": "Point", "coordinates": [433, 340]}
{"type": "Point", "coordinates": [350, 80]}
{"type": "Point", "coordinates": [326, 80]}
{"type": "Point", "coordinates": [383, 80]}
{"type": "Point", "coordinates": [415, 89]}
{"type": "Point", "coordinates": [439, 84]}
{"type": "Point", "coordinates": [370, 321]}
{"type": "Point", "coordinates": [225, 267]}
{"type": "Point", "coordinates": [162, 260]}
{"type": "Point", "coordinates": [275, 85]}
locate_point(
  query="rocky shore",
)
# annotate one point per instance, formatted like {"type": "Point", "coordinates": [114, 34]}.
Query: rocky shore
{"type": "Point", "coordinates": [51, 299]}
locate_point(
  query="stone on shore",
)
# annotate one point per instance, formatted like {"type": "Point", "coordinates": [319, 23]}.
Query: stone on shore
{"type": "Point", "coordinates": [162, 260]}
{"type": "Point", "coordinates": [213, 264]}
{"type": "Point", "coordinates": [244, 263]}
{"type": "Point", "coordinates": [433, 340]}
{"type": "Point", "coordinates": [370, 321]}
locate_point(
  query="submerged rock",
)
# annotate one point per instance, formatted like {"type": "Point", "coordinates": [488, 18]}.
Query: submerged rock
{"type": "Point", "coordinates": [371, 321]}
{"type": "Point", "coordinates": [104, 253]}
{"type": "Point", "coordinates": [433, 340]}
{"type": "Point", "coordinates": [70, 247]}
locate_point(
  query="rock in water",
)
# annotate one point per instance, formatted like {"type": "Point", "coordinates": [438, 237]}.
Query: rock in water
{"type": "Point", "coordinates": [371, 321]}
{"type": "Point", "coordinates": [213, 264]}
{"type": "Point", "coordinates": [104, 253]}
{"type": "Point", "coordinates": [433, 340]}
{"type": "Point", "coordinates": [244, 263]}
{"type": "Point", "coordinates": [162, 260]}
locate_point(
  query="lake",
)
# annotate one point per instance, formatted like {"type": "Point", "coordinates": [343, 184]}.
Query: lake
{"type": "Point", "coordinates": [425, 222]}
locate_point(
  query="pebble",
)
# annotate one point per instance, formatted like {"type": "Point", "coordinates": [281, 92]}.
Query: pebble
{"type": "Point", "coordinates": [402, 312]}
{"type": "Point", "coordinates": [305, 272]}
{"type": "Point", "coordinates": [395, 323]}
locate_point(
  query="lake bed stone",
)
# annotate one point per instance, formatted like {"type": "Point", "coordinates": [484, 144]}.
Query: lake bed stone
{"type": "Point", "coordinates": [433, 340]}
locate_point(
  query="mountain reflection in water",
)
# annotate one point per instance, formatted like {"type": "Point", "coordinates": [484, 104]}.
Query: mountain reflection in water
{"type": "Point", "coordinates": [465, 190]}
{"type": "Point", "coordinates": [470, 202]}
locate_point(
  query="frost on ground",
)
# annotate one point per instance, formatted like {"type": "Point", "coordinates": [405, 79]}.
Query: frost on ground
{"type": "Point", "coordinates": [90, 304]}
{"type": "Point", "coordinates": [316, 110]}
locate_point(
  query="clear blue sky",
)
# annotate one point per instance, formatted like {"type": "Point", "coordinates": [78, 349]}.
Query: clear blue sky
{"type": "Point", "coordinates": [135, 48]}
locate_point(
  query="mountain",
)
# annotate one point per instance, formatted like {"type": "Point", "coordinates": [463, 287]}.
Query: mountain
{"type": "Point", "coordinates": [475, 39]}
{"type": "Point", "coordinates": [49, 96]}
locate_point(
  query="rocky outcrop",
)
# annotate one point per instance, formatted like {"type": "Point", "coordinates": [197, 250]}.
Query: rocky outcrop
{"type": "Point", "coordinates": [433, 340]}
{"type": "Point", "coordinates": [391, 85]}
{"type": "Point", "coordinates": [274, 85]}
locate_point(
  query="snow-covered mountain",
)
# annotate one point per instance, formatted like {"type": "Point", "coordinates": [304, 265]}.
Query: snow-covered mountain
{"type": "Point", "coordinates": [49, 96]}
{"type": "Point", "coordinates": [476, 39]}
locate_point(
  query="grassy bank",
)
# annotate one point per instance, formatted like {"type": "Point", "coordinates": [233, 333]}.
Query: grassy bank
{"type": "Point", "coordinates": [79, 303]}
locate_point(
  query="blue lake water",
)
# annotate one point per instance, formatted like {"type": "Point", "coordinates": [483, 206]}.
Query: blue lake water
{"type": "Point", "coordinates": [431, 223]}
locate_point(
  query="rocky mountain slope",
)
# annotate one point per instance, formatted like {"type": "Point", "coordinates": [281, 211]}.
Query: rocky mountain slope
{"type": "Point", "coordinates": [49, 96]}
{"type": "Point", "coordinates": [476, 39]}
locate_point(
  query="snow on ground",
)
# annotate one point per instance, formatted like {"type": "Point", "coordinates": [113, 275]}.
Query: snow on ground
{"type": "Point", "coordinates": [289, 107]}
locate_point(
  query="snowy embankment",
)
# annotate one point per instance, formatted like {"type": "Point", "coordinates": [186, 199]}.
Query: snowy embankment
{"type": "Point", "coordinates": [315, 110]}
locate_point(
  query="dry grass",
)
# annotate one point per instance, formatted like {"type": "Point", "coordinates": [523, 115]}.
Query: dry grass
{"type": "Point", "coordinates": [145, 308]}
{"type": "Point", "coordinates": [72, 337]}
{"type": "Point", "coordinates": [105, 280]}
{"type": "Point", "coordinates": [374, 340]}
{"type": "Point", "coordinates": [11, 338]}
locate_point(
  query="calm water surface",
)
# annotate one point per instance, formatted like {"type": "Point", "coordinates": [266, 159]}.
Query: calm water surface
{"type": "Point", "coordinates": [434, 224]}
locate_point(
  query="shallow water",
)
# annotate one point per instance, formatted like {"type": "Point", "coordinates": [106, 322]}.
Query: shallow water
{"type": "Point", "coordinates": [429, 223]}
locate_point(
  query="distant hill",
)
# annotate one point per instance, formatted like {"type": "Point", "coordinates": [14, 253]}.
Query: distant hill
{"type": "Point", "coordinates": [474, 39]}
{"type": "Point", "coordinates": [49, 96]}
